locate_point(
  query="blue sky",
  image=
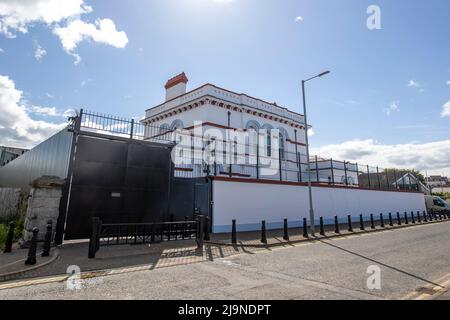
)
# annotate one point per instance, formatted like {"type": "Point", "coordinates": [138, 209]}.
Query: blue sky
{"type": "Point", "coordinates": [386, 94]}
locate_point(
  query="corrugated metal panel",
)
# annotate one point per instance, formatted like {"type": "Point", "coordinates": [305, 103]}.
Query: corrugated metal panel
{"type": "Point", "coordinates": [50, 158]}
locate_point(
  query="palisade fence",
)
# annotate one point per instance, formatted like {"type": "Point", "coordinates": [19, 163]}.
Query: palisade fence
{"type": "Point", "coordinates": [261, 155]}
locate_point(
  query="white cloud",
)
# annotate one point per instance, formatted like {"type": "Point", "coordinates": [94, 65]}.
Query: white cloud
{"type": "Point", "coordinates": [18, 15]}
{"type": "Point", "coordinates": [413, 84]}
{"type": "Point", "coordinates": [299, 19]}
{"type": "Point", "coordinates": [393, 107]}
{"type": "Point", "coordinates": [103, 31]}
{"type": "Point", "coordinates": [433, 156]}
{"type": "Point", "coordinates": [446, 110]}
{"type": "Point", "coordinates": [417, 85]}
{"type": "Point", "coordinates": [2, 51]}
{"type": "Point", "coordinates": [17, 128]}
{"type": "Point", "coordinates": [448, 82]}
{"type": "Point", "coordinates": [51, 111]}
{"type": "Point", "coordinates": [64, 18]}
{"type": "Point", "coordinates": [39, 53]}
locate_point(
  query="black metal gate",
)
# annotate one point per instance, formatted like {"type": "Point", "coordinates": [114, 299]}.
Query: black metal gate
{"type": "Point", "coordinates": [119, 181]}
{"type": "Point", "coordinates": [190, 195]}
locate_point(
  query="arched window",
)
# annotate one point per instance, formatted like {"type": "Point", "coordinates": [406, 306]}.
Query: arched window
{"type": "Point", "coordinates": [282, 137]}
{"type": "Point", "coordinates": [252, 128]}
{"type": "Point", "coordinates": [177, 124]}
{"type": "Point", "coordinates": [281, 144]}
{"type": "Point", "coordinates": [268, 135]}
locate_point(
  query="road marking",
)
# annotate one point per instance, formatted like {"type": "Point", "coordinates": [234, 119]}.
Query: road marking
{"type": "Point", "coordinates": [430, 291]}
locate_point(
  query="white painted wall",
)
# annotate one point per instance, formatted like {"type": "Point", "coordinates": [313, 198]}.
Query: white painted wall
{"type": "Point", "coordinates": [249, 203]}
{"type": "Point", "coordinates": [175, 91]}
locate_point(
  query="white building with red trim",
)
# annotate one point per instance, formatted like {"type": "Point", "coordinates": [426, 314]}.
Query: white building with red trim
{"type": "Point", "coordinates": [240, 189]}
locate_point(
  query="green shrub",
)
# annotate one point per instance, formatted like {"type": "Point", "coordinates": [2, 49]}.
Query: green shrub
{"type": "Point", "coordinates": [3, 232]}
{"type": "Point", "coordinates": [18, 229]}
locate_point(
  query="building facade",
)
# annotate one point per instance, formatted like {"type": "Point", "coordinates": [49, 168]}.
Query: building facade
{"type": "Point", "coordinates": [8, 154]}
{"type": "Point", "coordinates": [243, 125]}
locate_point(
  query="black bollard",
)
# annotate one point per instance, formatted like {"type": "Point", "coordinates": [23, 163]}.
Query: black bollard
{"type": "Point", "coordinates": [9, 238]}
{"type": "Point", "coordinates": [372, 223]}
{"type": "Point", "coordinates": [200, 231]}
{"type": "Point", "coordinates": [263, 232]}
{"type": "Point", "coordinates": [419, 219]}
{"type": "Point", "coordinates": [381, 220]}
{"type": "Point", "coordinates": [399, 221]}
{"type": "Point", "coordinates": [336, 225]}
{"type": "Point", "coordinates": [361, 223]}
{"type": "Point", "coordinates": [350, 226]}
{"type": "Point", "coordinates": [305, 228]}
{"type": "Point", "coordinates": [391, 224]}
{"type": "Point", "coordinates": [286, 230]}
{"type": "Point", "coordinates": [406, 218]}
{"type": "Point", "coordinates": [233, 232]}
{"type": "Point", "coordinates": [322, 229]}
{"type": "Point", "coordinates": [425, 219]}
{"type": "Point", "coordinates": [207, 227]}
{"type": "Point", "coordinates": [31, 260]}
{"type": "Point", "coordinates": [47, 239]}
{"type": "Point", "coordinates": [94, 242]}
{"type": "Point", "coordinates": [413, 220]}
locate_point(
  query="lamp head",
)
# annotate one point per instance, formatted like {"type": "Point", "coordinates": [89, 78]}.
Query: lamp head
{"type": "Point", "coordinates": [324, 73]}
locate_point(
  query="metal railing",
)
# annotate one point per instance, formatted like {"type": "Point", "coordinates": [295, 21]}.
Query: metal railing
{"type": "Point", "coordinates": [144, 233]}
{"type": "Point", "coordinates": [200, 156]}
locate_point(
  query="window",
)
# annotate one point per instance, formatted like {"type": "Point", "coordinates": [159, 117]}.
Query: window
{"type": "Point", "coordinates": [439, 203]}
{"type": "Point", "coordinates": [282, 147]}
{"type": "Point", "coordinates": [269, 143]}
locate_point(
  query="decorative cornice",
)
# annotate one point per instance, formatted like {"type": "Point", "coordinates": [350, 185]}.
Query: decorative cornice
{"type": "Point", "coordinates": [217, 102]}
{"type": "Point", "coordinates": [227, 97]}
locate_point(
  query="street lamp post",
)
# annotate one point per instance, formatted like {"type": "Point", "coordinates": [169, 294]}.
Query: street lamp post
{"type": "Point", "coordinates": [311, 208]}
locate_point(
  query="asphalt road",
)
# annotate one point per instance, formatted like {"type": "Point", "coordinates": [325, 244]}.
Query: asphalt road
{"type": "Point", "coordinates": [412, 261]}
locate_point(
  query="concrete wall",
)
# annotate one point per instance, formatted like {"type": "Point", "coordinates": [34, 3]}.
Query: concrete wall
{"type": "Point", "coordinates": [43, 205]}
{"type": "Point", "coordinates": [10, 199]}
{"type": "Point", "coordinates": [249, 203]}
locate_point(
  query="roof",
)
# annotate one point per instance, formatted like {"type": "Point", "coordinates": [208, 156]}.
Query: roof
{"type": "Point", "coordinates": [220, 88]}
{"type": "Point", "coordinates": [181, 78]}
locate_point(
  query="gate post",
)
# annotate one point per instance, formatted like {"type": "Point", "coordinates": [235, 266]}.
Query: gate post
{"type": "Point", "coordinates": [94, 241]}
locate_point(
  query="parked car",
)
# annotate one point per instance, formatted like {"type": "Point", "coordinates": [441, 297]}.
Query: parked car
{"type": "Point", "coordinates": [436, 204]}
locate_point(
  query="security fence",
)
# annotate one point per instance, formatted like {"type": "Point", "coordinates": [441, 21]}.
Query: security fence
{"type": "Point", "coordinates": [250, 154]}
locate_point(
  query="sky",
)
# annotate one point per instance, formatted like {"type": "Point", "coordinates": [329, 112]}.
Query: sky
{"type": "Point", "coordinates": [386, 101]}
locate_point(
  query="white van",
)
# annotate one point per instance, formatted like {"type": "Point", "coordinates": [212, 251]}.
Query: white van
{"type": "Point", "coordinates": [436, 204]}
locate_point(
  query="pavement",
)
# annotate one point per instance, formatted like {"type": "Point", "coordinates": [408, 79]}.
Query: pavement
{"type": "Point", "coordinates": [413, 264]}
{"type": "Point", "coordinates": [12, 265]}
{"type": "Point", "coordinates": [275, 237]}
